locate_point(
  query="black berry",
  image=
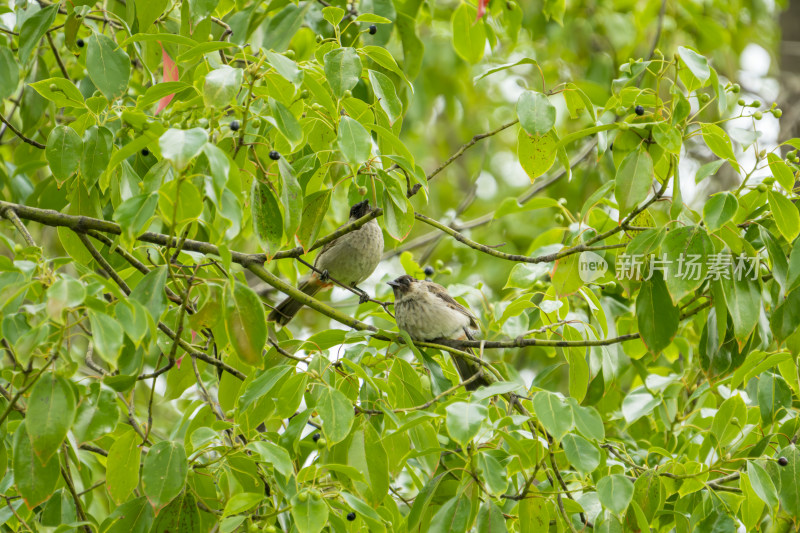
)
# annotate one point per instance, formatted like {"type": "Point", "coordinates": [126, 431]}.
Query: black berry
{"type": "Point", "coordinates": [639, 110]}
{"type": "Point", "coordinates": [80, 43]}
{"type": "Point", "coordinates": [373, 29]}
{"type": "Point", "coordinates": [315, 437]}
{"type": "Point", "coordinates": [429, 270]}
{"type": "Point", "coordinates": [783, 461]}
{"type": "Point", "coordinates": [351, 515]}
{"type": "Point", "coordinates": [274, 155]}
{"type": "Point", "coordinates": [145, 152]}
{"type": "Point", "coordinates": [234, 125]}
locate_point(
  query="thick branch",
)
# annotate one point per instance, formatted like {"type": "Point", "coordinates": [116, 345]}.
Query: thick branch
{"type": "Point", "coordinates": [83, 224]}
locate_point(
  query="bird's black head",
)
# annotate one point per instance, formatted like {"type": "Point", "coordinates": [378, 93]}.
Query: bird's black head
{"type": "Point", "coordinates": [402, 284]}
{"type": "Point", "coordinates": [359, 210]}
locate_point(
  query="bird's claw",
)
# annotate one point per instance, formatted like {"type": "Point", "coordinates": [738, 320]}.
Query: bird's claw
{"type": "Point", "coordinates": [323, 277]}
{"type": "Point", "coordinates": [363, 297]}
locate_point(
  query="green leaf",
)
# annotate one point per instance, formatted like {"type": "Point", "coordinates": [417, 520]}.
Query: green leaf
{"type": "Point", "coordinates": [367, 454]}
{"type": "Point", "coordinates": [762, 484]}
{"type": "Point", "coordinates": [536, 153]}
{"type": "Point", "coordinates": [147, 11]}
{"type": "Point", "coordinates": [654, 301]}
{"type": "Point", "coordinates": [336, 413]}
{"type": "Point", "coordinates": [62, 92]}
{"type": "Point", "coordinates": [291, 198]}
{"type": "Point", "coordinates": [273, 455]}
{"type": "Point", "coordinates": [718, 142]}
{"type": "Point", "coordinates": [134, 213]}
{"type": "Point", "coordinates": [122, 475]}
{"type": "Point", "coordinates": [201, 9]}
{"type": "Point", "coordinates": [9, 73]}
{"type": "Point", "coordinates": [534, 515]}
{"type": "Point", "coordinates": [109, 66]}
{"type": "Point", "coordinates": [785, 319]}
{"type": "Point", "coordinates": [97, 144]}
{"type": "Point", "coordinates": [719, 209]}
{"type": "Point", "coordinates": [707, 170]}
{"type": "Point", "coordinates": [536, 114]}
{"type": "Point", "coordinates": [245, 323]}
{"type": "Point", "coordinates": [668, 137]}
{"type": "Point", "coordinates": [464, 420]}
{"type": "Point", "coordinates": [35, 481]}
{"type": "Point", "coordinates": [696, 63]}
{"type": "Point", "coordinates": [781, 172]}
{"type": "Point", "coordinates": [150, 291]}
{"type": "Point", "coordinates": [774, 396]}
{"type": "Point", "coordinates": [342, 69]}
{"type": "Point", "coordinates": [267, 218]}
{"type": "Point", "coordinates": [281, 27]}
{"type": "Point", "coordinates": [354, 141]}
{"type": "Point", "coordinates": [164, 472]}
{"type": "Point", "coordinates": [314, 209]}
{"type": "Point", "coordinates": [634, 177]}
{"type": "Point", "coordinates": [386, 94]}
{"type": "Point", "coordinates": [179, 147]}
{"type": "Point", "coordinates": [52, 407]}
{"type": "Point", "coordinates": [97, 415]}
{"type": "Point", "coordinates": [65, 293]}
{"type": "Point", "coordinates": [743, 299]}
{"type": "Point", "coordinates": [686, 251]}
{"type": "Point", "coordinates": [63, 152]}
{"type": "Point", "coordinates": [367, 513]}
{"type": "Point", "coordinates": [789, 491]}
{"type": "Point", "coordinates": [453, 516]}
{"type": "Point", "coordinates": [33, 29]}
{"type": "Point", "coordinates": [239, 503]}
{"type": "Point", "coordinates": [615, 492]}
{"type": "Point", "coordinates": [285, 67]}
{"type": "Point", "coordinates": [469, 35]}
{"type": "Point", "coordinates": [581, 453]}
{"type": "Point", "coordinates": [398, 213]}
{"type": "Point", "coordinates": [181, 515]}
{"type": "Point", "coordinates": [134, 516]}
{"type": "Point", "coordinates": [553, 412]}
{"type": "Point", "coordinates": [310, 512]}
{"type": "Point", "coordinates": [221, 86]}
{"type": "Point", "coordinates": [786, 215]}
{"type": "Point", "coordinates": [107, 336]}
{"type": "Point", "coordinates": [333, 14]}
{"type": "Point", "coordinates": [285, 122]}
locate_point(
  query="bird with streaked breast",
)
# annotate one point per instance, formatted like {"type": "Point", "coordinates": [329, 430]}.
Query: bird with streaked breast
{"type": "Point", "coordinates": [349, 260]}
{"type": "Point", "coordinates": [427, 312]}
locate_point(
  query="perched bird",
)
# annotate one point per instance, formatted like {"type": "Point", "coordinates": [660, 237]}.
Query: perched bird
{"type": "Point", "coordinates": [427, 312]}
{"type": "Point", "coordinates": [350, 259]}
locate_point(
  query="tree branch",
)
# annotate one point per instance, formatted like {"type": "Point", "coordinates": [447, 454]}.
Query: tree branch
{"type": "Point", "coordinates": [19, 133]}
{"type": "Point", "coordinates": [464, 147]}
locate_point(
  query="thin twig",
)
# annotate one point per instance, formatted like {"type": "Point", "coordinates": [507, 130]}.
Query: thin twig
{"type": "Point", "coordinates": [19, 134]}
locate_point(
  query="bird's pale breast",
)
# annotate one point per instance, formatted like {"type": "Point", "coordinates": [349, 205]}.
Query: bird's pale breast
{"type": "Point", "coordinates": [426, 317]}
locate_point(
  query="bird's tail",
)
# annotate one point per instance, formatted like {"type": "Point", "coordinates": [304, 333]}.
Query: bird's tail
{"type": "Point", "coordinates": [467, 369]}
{"type": "Point", "coordinates": [284, 311]}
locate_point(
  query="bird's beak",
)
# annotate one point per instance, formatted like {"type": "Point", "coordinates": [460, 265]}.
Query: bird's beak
{"type": "Point", "coordinates": [393, 284]}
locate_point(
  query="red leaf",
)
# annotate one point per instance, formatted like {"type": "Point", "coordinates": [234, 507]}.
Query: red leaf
{"type": "Point", "coordinates": [170, 74]}
{"type": "Point", "coordinates": [482, 4]}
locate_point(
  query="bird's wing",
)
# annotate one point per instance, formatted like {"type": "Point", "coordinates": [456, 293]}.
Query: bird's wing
{"type": "Point", "coordinates": [329, 245]}
{"type": "Point", "coordinates": [441, 293]}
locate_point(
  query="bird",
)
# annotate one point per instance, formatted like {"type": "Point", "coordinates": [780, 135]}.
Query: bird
{"type": "Point", "coordinates": [348, 260]}
{"type": "Point", "coordinates": [427, 312]}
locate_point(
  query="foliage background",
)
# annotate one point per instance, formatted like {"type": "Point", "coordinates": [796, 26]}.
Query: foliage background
{"type": "Point", "coordinates": [109, 423]}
